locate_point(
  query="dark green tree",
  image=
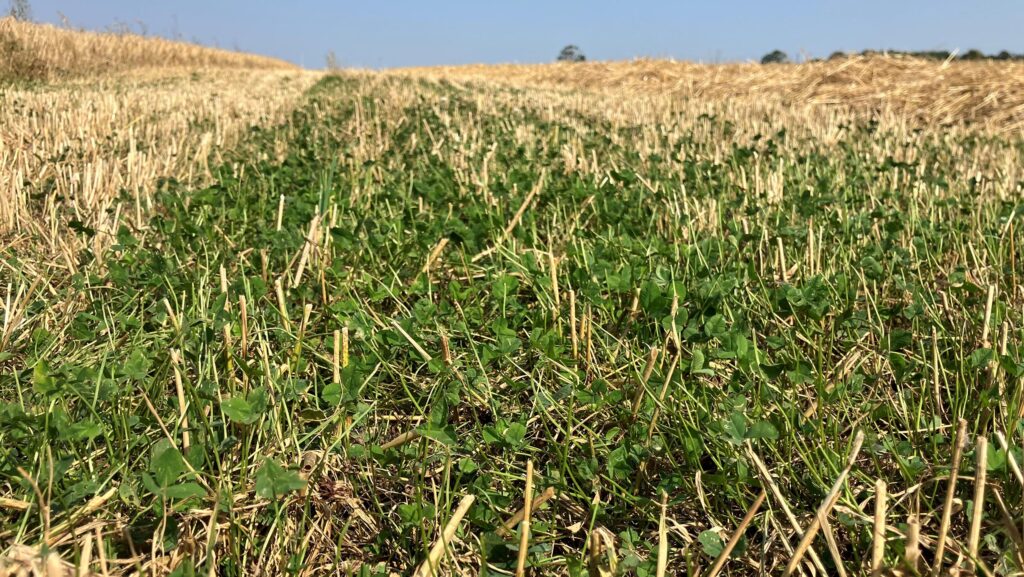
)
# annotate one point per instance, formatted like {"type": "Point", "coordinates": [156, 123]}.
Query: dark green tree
{"type": "Point", "coordinates": [775, 57]}
{"type": "Point", "coordinates": [571, 53]}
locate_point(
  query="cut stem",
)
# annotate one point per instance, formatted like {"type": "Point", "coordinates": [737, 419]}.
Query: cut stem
{"type": "Point", "coordinates": [878, 536]}
{"type": "Point", "coordinates": [661, 396]}
{"type": "Point", "coordinates": [662, 537]}
{"type": "Point", "coordinates": [988, 316]}
{"type": "Point", "coordinates": [782, 260]}
{"type": "Point", "coordinates": [517, 518]}
{"type": "Point", "coordinates": [337, 357]}
{"type": "Point", "coordinates": [553, 269]}
{"type": "Point", "coordinates": [434, 254]}
{"type": "Point", "coordinates": [737, 534]}
{"type": "Point", "coordinates": [433, 560]}
{"type": "Point", "coordinates": [947, 509]}
{"type": "Point", "coordinates": [1014, 467]}
{"type": "Point", "coordinates": [282, 306]}
{"type": "Point", "coordinates": [401, 440]}
{"type": "Point", "coordinates": [182, 405]}
{"type": "Point", "coordinates": [825, 508]}
{"type": "Point", "coordinates": [244, 344]}
{"type": "Point", "coordinates": [524, 535]}
{"type": "Point", "coordinates": [280, 213]}
{"type": "Point", "coordinates": [572, 324]}
{"type": "Point", "coordinates": [979, 498]}
{"type": "Point", "coordinates": [426, 356]}
{"type": "Point", "coordinates": [912, 552]}
{"type": "Point", "coordinates": [344, 347]}
{"type": "Point", "coordinates": [641, 387]}
{"type": "Point", "coordinates": [311, 240]}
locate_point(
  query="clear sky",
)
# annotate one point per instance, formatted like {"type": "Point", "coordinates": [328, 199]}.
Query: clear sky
{"type": "Point", "coordinates": [386, 33]}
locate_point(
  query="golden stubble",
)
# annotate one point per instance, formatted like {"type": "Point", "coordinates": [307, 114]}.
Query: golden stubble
{"type": "Point", "coordinates": [92, 126]}
{"type": "Point", "coordinates": [46, 52]}
{"type": "Point", "coordinates": [989, 94]}
{"type": "Point", "coordinates": [69, 151]}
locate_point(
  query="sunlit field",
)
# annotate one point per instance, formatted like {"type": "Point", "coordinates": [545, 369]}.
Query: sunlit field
{"type": "Point", "coordinates": [643, 318]}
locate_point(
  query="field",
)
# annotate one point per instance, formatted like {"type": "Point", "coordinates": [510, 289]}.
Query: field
{"type": "Point", "coordinates": [353, 326]}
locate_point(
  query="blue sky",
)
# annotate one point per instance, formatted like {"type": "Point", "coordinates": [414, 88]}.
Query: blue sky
{"type": "Point", "coordinates": [388, 33]}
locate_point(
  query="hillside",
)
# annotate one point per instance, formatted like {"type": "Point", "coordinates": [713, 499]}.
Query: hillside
{"type": "Point", "coordinates": [87, 118]}
{"type": "Point", "coordinates": [30, 51]}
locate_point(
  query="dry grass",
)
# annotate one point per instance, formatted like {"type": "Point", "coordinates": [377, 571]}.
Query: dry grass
{"type": "Point", "coordinates": [23, 561]}
{"type": "Point", "coordinates": [645, 119]}
{"type": "Point", "coordinates": [136, 109]}
{"type": "Point", "coordinates": [70, 150]}
{"type": "Point", "coordinates": [89, 150]}
{"type": "Point", "coordinates": [44, 52]}
{"type": "Point", "coordinates": [989, 95]}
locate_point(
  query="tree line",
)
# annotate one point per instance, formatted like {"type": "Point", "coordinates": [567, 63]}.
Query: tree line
{"type": "Point", "coordinates": [780, 57]}
{"type": "Point", "coordinates": [572, 53]}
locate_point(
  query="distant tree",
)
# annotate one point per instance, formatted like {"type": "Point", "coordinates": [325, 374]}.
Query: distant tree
{"type": "Point", "coordinates": [332, 62]}
{"type": "Point", "coordinates": [837, 55]}
{"type": "Point", "coordinates": [571, 53]}
{"type": "Point", "coordinates": [775, 57]}
{"type": "Point", "coordinates": [942, 55]}
{"type": "Point", "coordinates": [21, 10]}
{"type": "Point", "coordinates": [65, 22]}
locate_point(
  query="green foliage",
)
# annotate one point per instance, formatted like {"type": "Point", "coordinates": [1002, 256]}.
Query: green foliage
{"type": "Point", "coordinates": [571, 53]}
{"type": "Point", "coordinates": [775, 57]}
{"type": "Point", "coordinates": [712, 543]}
{"type": "Point", "coordinates": [274, 481]}
{"type": "Point", "coordinates": [246, 409]}
{"type": "Point", "coordinates": [666, 243]}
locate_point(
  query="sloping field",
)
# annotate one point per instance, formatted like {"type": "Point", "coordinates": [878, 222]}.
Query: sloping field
{"type": "Point", "coordinates": [74, 150]}
{"type": "Point", "coordinates": [119, 111]}
{"type": "Point", "coordinates": [990, 95]}
{"type": "Point", "coordinates": [727, 334]}
{"type": "Point", "coordinates": [45, 52]}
